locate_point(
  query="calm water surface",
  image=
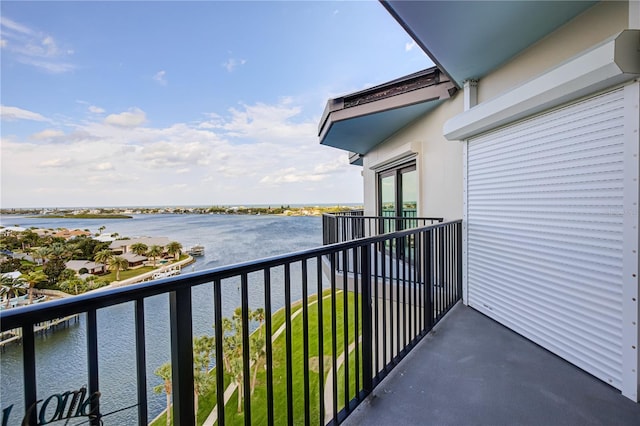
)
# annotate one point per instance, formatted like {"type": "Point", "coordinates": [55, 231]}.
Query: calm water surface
{"type": "Point", "coordinates": [61, 356]}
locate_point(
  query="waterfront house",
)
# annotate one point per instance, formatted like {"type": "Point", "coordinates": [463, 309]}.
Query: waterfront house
{"type": "Point", "coordinates": [124, 246]}
{"type": "Point", "coordinates": [68, 234]}
{"type": "Point", "coordinates": [12, 229]}
{"type": "Point", "coordinates": [93, 268]}
{"type": "Point", "coordinates": [527, 129]}
{"type": "Point", "coordinates": [134, 260]}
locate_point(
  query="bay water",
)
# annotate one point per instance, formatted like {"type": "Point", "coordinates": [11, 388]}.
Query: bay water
{"type": "Point", "coordinates": [61, 358]}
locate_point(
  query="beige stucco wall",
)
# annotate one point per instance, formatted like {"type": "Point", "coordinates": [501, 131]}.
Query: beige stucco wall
{"type": "Point", "coordinates": [593, 26]}
{"type": "Point", "coordinates": [438, 161]}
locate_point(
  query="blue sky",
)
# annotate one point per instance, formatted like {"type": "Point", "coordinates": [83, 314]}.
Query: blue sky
{"type": "Point", "coordinates": [185, 103]}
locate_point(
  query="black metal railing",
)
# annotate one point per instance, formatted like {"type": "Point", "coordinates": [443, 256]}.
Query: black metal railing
{"type": "Point", "coordinates": [395, 293]}
{"type": "Point", "coordinates": [352, 225]}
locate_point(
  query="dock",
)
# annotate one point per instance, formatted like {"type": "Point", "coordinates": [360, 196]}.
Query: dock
{"type": "Point", "coordinates": [15, 335]}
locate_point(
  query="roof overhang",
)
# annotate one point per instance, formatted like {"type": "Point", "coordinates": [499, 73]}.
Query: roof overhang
{"type": "Point", "coordinates": [359, 121]}
{"type": "Point", "coordinates": [469, 39]}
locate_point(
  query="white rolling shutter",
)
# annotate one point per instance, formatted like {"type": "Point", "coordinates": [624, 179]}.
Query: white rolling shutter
{"type": "Point", "coordinates": [545, 230]}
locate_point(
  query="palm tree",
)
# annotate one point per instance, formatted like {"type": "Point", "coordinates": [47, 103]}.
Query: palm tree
{"type": "Point", "coordinates": [103, 256]}
{"type": "Point", "coordinates": [100, 229]}
{"type": "Point", "coordinates": [73, 285]}
{"type": "Point", "coordinates": [164, 372]}
{"type": "Point", "coordinates": [228, 342]}
{"type": "Point", "coordinates": [11, 287]}
{"type": "Point", "coordinates": [154, 252]}
{"type": "Point", "coordinates": [117, 263]}
{"type": "Point", "coordinates": [174, 248]}
{"type": "Point", "coordinates": [258, 315]}
{"type": "Point", "coordinates": [40, 253]}
{"type": "Point", "coordinates": [139, 248]}
{"type": "Point", "coordinates": [257, 354]}
{"type": "Point", "coordinates": [60, 251]}
{"type": "Point", "coordinates": [203, 349]}
{"type": "Point", "coordinates": [33, 279]}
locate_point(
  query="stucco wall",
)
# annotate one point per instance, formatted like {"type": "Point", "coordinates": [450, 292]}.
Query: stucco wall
{"type": "Point", "coordinates": [595, 25]}
{"type": "Point", "coordinates": [438, 161]}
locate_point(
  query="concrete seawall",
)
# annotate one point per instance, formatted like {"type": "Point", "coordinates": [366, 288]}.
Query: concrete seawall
{"type": "Point", "coordinates": [147, 275]}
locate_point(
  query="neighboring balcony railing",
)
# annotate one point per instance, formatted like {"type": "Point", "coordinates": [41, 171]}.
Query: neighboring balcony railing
{"type": "Point", "coordinates": [353, 224]}
{"type": "Point", "coordinates": [322, 355]}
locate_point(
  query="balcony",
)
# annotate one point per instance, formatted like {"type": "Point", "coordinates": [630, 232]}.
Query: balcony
{"type": "Point", "coordinates": [350, 341]}
{"type": "Point", "coordinates": [352, 310]}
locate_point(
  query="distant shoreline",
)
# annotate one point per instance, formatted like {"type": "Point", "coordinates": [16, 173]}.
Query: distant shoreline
{"type": "Point", "coordinates": [129, 213]}
{"type": "Point", "coordinates": [80, 216]}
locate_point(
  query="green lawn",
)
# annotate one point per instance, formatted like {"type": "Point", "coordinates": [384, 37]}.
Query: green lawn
{"type": "Point", "coordinates": [259, 397]}
{"type": "Point", "coordinates": [258, 400]}
{"type": "Point", "coordinates": [129, 273]}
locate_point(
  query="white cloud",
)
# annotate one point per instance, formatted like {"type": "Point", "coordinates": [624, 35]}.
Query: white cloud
{"type": "Point", "coordinates": [104, 167]}
{"type": "Point", "coordinates": [94, 109]}
{"type": "Point", "coordinates": [132, 118]}
{"type": "Point", "coordinates": [291, 175]}
{"type": "Point", "coordinates": [57, 163]}
{"type": "Point", "coordinates": [3, 43]}
{"type": "Point", "coordinates": [410, 46]}
{"type": "Point", "coordinates": [160, 78]}
{"type": "Point", "coordinates": [14, 113]}
{"type": "Point", "coordinates": [232, 63]}
{"type": "Point", "coordinates": [35, 48]}
{"type": "Point", "coordinates": [255, 153]}
{"type": "Point", "coordinates": [47, 134]}
{"type": "Point", "coordinates": [265, 122]}
{"type": "Point", "coordinates": [336, 164]}
{"type": "Point", "coordinates": [8, 24]}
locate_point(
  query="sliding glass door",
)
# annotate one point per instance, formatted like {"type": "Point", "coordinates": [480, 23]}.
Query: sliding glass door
{"type": "Point", "coordinates": [398, 195]}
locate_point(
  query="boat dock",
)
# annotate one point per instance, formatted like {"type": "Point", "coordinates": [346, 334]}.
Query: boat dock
{"type": "Point", "coordinates": [196, 250]}
{"type": "Point", "coordinates": [15, 335]}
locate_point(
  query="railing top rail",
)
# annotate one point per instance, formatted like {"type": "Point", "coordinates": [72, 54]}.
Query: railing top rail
{"type": "Point", "coordinates": [439, 219]}
{"type": "Point", "coordinates": [32, 314]}
{"type": "Point", "coordinates": [355, 212]}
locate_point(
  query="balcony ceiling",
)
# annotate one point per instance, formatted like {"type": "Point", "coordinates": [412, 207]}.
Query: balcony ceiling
{"type": "Point", "coordinates": [360, 134]}
{"type": "Point", "coordinates": [469, 39]}
{"type": "Point", "coordinates": [359, 121]}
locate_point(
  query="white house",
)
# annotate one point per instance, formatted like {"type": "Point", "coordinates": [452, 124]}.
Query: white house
{"type": "Point", "coordinates": [124, 246]}
{"type": "Point", "coordinates": [529, 131]}
{"type": "Point", "coordinates": [93, 268]}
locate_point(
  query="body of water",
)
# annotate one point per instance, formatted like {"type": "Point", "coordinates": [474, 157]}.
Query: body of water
{"type": "Point", "coordinates": [61, 359]}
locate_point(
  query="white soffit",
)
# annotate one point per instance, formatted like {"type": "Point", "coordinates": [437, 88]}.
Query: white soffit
{"type": "Point", "coordinates": [613, 61]}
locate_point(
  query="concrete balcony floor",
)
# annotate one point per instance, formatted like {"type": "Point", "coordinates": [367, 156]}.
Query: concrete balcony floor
{"type": "Point", "coordinates": [470, 370]}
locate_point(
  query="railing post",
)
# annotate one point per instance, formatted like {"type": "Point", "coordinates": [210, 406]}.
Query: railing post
{"type": "Point", "coordinates": [181, 356]}
{"type": "Point", "coordinates": [367, 329]}
{"type": "Point", "coordinates": [428, 279]}
{"type": "Point", "coordinates": [458, 228]}
{"type": "Point", "coordinates": [141, 363]}
{"type": "Point", "coordinates": [29, 373]}
{"type": "Point", "coordinates": [92, 364]}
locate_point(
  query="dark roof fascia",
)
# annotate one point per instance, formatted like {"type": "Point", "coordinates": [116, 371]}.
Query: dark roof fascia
{"type": "Point", "coordinates": [380, 100]}
{"type": "Point", "coordinates": [338, 103]}
{"type": "Point", "coordinates": [355, 159]}
{"type": "Point", "coordinates": [415, 38]}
